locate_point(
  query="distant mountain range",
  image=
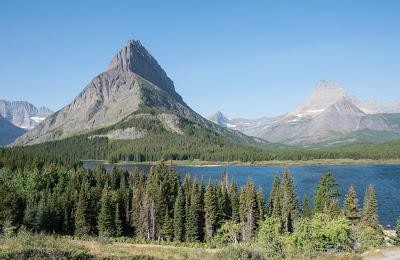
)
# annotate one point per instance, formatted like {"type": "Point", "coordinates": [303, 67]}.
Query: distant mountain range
{"type": "Point", "coordinates": [129, 101]}
{"type": "Point", "coordinates": [329, 116]}
{"type": "Point", "coordinates": [135, 99]}
{"type": "Point", "coordinates": [17, 117]}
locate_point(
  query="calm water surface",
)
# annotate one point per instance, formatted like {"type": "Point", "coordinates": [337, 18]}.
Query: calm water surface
{"type": "Point", "coordinates": [385, 178]}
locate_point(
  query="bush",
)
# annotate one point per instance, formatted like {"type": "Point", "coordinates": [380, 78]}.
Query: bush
{"type": "Point", "coordinates": [322, 234]}
{"type": "Point", "coordinates": [369, 238]}
{"type": "Point", "coordinates": [270, 238]}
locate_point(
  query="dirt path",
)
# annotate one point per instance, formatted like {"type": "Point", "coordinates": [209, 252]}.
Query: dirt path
{"type": "Point", "coordinates": [385, 254]}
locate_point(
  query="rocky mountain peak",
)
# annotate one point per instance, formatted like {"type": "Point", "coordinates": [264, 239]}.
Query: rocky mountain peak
{"type": "Point", "coordinates": [135, 58]}
{"type": "Point", "coordinates": [219, 118]}
{"type": "Point", "coordinates": [325, 94]}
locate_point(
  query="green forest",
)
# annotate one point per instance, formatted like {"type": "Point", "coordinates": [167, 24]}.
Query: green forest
{"type": "Point", "coordinates": [160, 206]}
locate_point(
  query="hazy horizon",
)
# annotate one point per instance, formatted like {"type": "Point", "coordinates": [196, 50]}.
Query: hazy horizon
{"type": "Point", "coordinates": [247, 60]}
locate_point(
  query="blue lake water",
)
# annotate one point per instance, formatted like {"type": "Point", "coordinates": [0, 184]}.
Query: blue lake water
{"type": "Point", "coordinates": [385, 178]}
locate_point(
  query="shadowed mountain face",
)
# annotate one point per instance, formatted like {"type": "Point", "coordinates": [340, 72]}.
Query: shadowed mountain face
{"type": "Point", "coordinates": [8, 132]}
{"type": "Point", "coordinates": [328, 116]}
{"type": "Point", "coordinates": [133, 81]}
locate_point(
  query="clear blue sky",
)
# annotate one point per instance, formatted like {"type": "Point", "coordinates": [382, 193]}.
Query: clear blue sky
{"type": "Point", "coordinates": [245, 58]}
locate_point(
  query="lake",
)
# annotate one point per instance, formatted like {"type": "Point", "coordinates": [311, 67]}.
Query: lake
{"type": "Point", "coordinates": [385, 178]}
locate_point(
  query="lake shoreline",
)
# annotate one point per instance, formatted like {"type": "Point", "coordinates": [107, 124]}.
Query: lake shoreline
{"type": "Point", "coordinates": [198, 163]}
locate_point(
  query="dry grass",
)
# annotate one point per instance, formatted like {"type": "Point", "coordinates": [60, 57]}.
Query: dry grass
{"type": "Point", "coordinates": [125, 250]}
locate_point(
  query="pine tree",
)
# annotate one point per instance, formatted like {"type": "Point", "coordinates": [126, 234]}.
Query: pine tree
{"type": "Point", "coordinates": [42, 215]}
{"type": "Point", "coordinates": [220, 200]}
{"type": "Point", "coordinates": [168, 227]}
{"type": "Point", "coordinates": [118, 231]}
{"type": "Point", "coordinates": [306, 208]}
{"type": "Point", "coordinates": [397, 240]}
{"type": "Point", "coordinates": [327, 195]}
{"type": "Point", "coordinates": [210, 211]}
{"type": "Point", "coordinates": [350, 207]}
{"type": "Point", "coordinates": [234, 198]}
{"type": "Point", "coordinates": [369, 213]}
{"type": "Point", "coordinates": [202, 221]}
{"type": "Point", "coordinates": [179, 217]}
{"type": "Point", "coordinates": [30, 215]}
{"type": "Point", "coordinates": [82, 222]}
{"type": "Point", "coordinates": [55, 213]}
{"type": "Point", "coordinates": [248, 210]}
{"type": "Point", "coordinates": [105, 223]}
{"type": "Point", "coordinates": [289, 201]}
{"type": "Point", "coordinates": [276, 205]}
{"type": "Point", "coordinates": [192, 216]}
{"type": "Point", "coordinates": [272, 197]}
{"type": "Point", "coordinates": [260, 205]}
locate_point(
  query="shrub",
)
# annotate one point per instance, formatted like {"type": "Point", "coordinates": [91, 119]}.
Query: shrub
{"type": "Point", "coordinates": [269, 237]}
{"type": "Point", "coordinates": [322, 234]}
{"type": "Point", "coordinates": [369, 238]}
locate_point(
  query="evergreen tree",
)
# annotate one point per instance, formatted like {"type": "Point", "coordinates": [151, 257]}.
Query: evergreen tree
{"type": "Point", "coordinates": [220, 200]}
{"type": "Point", "coordinates": [82, 223]}
{"type": "Point", "coordinates": [261, 209]}
{"type": "Point", "coordinates": [202, 221]}
{"type": "Point", "coordinates": [306, 208]}
{"type": "Point", "coordinates": [273, 197]}
{"type": "Point", "coordinates": [56, 214]}
{"type": "Point", "coordinates": [192, 217]}
{"type": "Point", "coordinates": [369, 213]}
{"type": "Point", "coordinates": [105, 223]}
{"type": "Point", "coordinates": [289, 201]}
{"type": "Point", "coordinates": [179, 217]}
{"type": "Point", "coordinates": [397, 240]}
{"type": "Point", "coordinates": [327, 195]}
{"type": "Point", "coordinates": [168, 227]}
{"type": "Point", "coordinates": [234, 198]}
{"type": "Point", "coordinates": [42, 215]}
{"type": "Point", "coordinates": [210, 211]}
{"type": "Point", "coordinates": [350, 207]}
{"type": "Point", "coordinates": [30, 215]}
{"type": "Point", "coordinates": [248, 210]}
{"type": "Point", "coordinates": [118, 231]}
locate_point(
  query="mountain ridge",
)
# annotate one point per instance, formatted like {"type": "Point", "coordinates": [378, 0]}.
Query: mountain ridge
{"type": "Point", "coordinates": [328, 113]}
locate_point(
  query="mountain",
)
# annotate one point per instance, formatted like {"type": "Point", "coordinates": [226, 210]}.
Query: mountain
{"type": "Point", "coordinates": [23, 114]}
{"type": "Point", "coordinates": [8, 132]}
{"type": "Point", "coordinates": [133, 99]}
{"type": "Point", "coordinates": [329, 116]}
{"type": "Point", "coordinates": [248, 126]}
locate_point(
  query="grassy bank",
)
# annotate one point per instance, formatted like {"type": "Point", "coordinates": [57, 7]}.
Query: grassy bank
{"type": "Point", "coordinates": [260, 163]}
{"type": "Point", "coordinates": [36, 246]}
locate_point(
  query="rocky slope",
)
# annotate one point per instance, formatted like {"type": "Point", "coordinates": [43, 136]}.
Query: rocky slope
{"type": "Point", "coordinates": [23, 114]}
{"type": "Point", "coordinates": [120, 96]}
{"type": "Point", "coordinates": [329, 116]}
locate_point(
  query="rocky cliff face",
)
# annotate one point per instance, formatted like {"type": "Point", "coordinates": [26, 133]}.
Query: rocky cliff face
{"type": "Point", "coordinates": [328, 116]}
{"type": "Point", "coordinates": [23, 114]}
{"type": "Point", "coordinates": [133, 80]}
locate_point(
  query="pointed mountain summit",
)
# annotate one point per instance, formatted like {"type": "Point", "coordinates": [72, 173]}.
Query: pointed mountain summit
{"type": "Point", "coordinates": [325, 93]}
{"type": "Point", "coordinates": [219, 119]}
{"type": "Point", "coordinates": [133, 57]}
{"type": "Point", "coordinates": [131, 99]}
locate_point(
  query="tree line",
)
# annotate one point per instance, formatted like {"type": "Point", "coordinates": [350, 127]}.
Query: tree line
{"type": "Point", "coordinates": [161, 206]}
